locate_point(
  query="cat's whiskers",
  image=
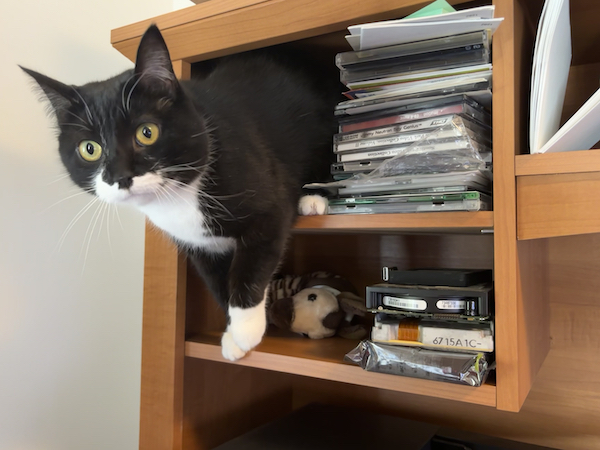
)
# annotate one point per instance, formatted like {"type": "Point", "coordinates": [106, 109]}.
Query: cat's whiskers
{"type": "Point", "coordinates": [60, 177]}
{"type": "Point", "coordinates": [116, 210]}
{"type": "Point", "coordinates": [128, 103]}
{"type": "Point", "coordinates": [154, 166]}
{"type": "Point", "coordinates": [68, 124]}
{"type": "Point", "coordinates": [88, 112]}
{"type": "Point", "coordinates": [109, 209]}
{"type": "Point", "coordinates": [123, 95]}
{"type": "Point", "coordinates": [214, 198]}
{"type": "Point", "coordinates": [74, 220]}
{"type": "Point", "coordinates": [159, 195]}
{"type": "Point", "coordinates": [93, 220]}
{"type": "Point", "coordinates": [76, 116]}
{"type": "Point", "coordinates": [217, 206]}
{"type": "Point", "coordinates": [78, 193]}
{"type": "Point", "coordinates": [202, 133]}
{"type": "Point", "coordinates": [167, 195]}
{"type": "Point", "coordinates": [171, 189]}
{"type": "Point", "coordinates": [181, 185]}
{"type": "Point", "coordinates": [102, 216]}
{"type": "Point", "coordinates": [183, 167]}
{"type": "Point", "coordinates": [247, 191]}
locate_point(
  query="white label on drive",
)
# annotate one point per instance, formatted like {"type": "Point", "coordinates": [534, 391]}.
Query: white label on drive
{"type": "Point", "coordinates": [414, 304]}
{"type": "Point", "coordinates": [450, 304]}
{"type": "Point", "coordinates": [462, 339]}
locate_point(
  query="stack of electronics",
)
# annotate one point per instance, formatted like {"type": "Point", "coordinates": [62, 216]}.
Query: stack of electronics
{"type": "Point", "coordinates": [435, 324]}
{"type": "Point", "coordinates": [415, 134]}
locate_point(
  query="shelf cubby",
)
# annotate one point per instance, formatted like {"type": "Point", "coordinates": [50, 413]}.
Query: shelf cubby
{"type": "Point", "coordinates": [323, 359]}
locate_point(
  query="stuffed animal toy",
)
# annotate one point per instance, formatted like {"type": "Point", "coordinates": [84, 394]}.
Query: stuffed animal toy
{"type": "Point", "coordinates": [316, 305]}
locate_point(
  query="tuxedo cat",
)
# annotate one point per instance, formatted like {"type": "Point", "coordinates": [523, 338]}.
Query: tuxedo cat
{"type": "Point", "coordinates": [216, 163]}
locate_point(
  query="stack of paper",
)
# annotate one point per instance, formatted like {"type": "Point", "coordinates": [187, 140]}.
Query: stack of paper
{"type": "Point", "coordinates": [392, 32]}
{"type": "Point", "coordinates": [551, 61]}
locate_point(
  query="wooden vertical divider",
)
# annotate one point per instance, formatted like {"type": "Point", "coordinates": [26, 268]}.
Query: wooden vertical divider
{"type": "Point", "coordinates": [163, 336]}
{"type": "Point", "coordinates": [505, 239]}
{"type": "Point", "coordinates": [518, 286]}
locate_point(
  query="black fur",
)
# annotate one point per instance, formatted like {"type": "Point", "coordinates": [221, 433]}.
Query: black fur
{"type": "Point", "coordinates": [257, 128]}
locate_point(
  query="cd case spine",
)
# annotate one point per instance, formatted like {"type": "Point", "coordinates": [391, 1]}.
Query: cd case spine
{"type": "Point", "coordinates": [426, 110]}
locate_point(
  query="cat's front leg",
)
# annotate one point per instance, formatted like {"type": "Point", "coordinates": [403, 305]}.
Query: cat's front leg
{"type": "Point", "coordinates": [251, 270]}
{"type": "Point", "coordinates": [214, 270]}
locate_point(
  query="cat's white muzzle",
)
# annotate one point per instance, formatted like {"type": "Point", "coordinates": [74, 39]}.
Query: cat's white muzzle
{"type": "Point", "coordinates": [144, 189]}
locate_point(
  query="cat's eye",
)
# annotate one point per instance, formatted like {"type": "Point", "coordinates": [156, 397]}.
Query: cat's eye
{"type": "Point", "coordinates": [147, 134]}
{"type": "Point", "coordinates": [90, 150]}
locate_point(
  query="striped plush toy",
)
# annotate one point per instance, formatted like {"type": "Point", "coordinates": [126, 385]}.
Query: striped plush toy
{"type": "Point", "coordinates": [316, 305]}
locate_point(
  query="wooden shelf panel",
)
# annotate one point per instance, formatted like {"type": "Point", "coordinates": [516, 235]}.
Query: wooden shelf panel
{"type": "Point", "coordinates": [581, 161]}
{"type": "Point", "coordinates": [323, 359]}
{"type": "Point", "coordinates": [213, 29]}
{"type": "Point", "coordinates": [437, 222]}
{"type": "Point", "coordinates": [558, 194]}
{"type": "Point", "coordinates": [561, 204]}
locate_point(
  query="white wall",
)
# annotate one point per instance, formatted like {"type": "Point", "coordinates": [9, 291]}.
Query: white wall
{"type": "Point", "coordinates": [70, 326]}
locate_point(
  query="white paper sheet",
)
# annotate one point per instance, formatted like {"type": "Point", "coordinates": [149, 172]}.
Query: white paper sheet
{"type": "Point", "coordinates": [551, 62]}
{"type": "Point", "coordinates": [580, 132]}
{"type": "Point", "coordinates": [380, 36]}
{"type": "Point", "coordinates": [354, 41]}
{"type": "Point", "coordinates": [482, 12]}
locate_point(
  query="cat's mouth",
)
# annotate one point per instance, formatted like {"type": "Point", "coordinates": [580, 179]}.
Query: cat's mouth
{"type": "Point", "coordinates": [140, 198]}
{"type": "Point", "coordinates": [148, 189]}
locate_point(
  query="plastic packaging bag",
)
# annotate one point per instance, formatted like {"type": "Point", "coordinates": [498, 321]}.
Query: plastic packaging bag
{"type": "Point", "coordinates": [463, 368]}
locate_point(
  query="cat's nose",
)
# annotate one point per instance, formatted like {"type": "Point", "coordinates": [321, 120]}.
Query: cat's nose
{"type": "Point", "coordinates": [125, 182]}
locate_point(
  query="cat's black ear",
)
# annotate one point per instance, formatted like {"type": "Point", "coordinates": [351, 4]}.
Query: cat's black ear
{"type": "Point", "coordinates": [153, 64]}
{"type": "Point", "coordinates": [61, 96]}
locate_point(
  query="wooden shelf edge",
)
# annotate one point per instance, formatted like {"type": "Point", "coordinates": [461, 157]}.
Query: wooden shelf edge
{"type": "Point", "coordinates": [580, 161]}
{"type": "Point", "coordinates": [210, 29]}
{"type": "Point", "coordinates": [201, 11]}
{"type": "Point", "coordinates": [555, 205]}
{"type": "Point", "coordinates": [325, 370]}
{"type": "Point", "coordinates": [447, 222]}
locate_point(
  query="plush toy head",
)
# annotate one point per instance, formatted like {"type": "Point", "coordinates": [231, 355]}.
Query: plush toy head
{"type": "Point", "coordinates": [319, 312]}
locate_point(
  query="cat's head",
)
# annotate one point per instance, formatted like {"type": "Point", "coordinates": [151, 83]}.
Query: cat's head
{"type": "Point", "coordinates": [134, 137]}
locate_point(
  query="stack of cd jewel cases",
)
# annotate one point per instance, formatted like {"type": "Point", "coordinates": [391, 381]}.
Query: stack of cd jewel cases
{"type": "Point", "coordinates": [415, 134]}
{"type": "Point", "coordinates": [432, 323]}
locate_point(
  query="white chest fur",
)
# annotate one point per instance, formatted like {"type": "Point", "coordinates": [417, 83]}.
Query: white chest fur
{"type": "Point", "coordinates": [180, 217]}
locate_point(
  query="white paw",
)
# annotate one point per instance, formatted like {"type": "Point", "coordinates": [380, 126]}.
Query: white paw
{"type": "Point", "coordinates": [229, 348]}
{"type": "Point", "coordinates": [247, 325]}
{"type": "Point", "coordinates": [312, 205]}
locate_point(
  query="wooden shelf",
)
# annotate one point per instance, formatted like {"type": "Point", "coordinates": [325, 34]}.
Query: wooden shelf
{"type": "Point", "coordinates": [558, 194]}
{"type": "Point", "coordinates": [323, 359]}
{"type": "Point", "coordinates": [437, 222]}
{"type": "Point", "coordinates": [563, 162]}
